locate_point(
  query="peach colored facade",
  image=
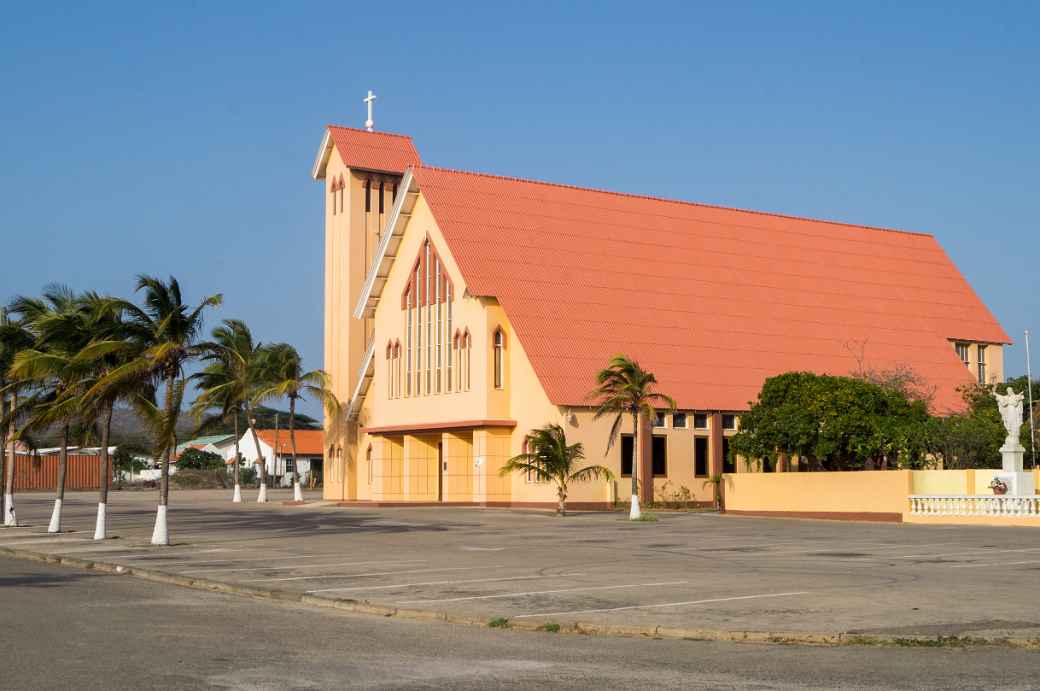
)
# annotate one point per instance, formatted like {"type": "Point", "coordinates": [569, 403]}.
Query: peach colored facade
{"type": "Point", "coordinates": [447, 443]}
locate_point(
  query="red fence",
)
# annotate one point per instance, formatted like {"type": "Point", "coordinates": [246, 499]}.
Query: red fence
{"type": "Point", "coordinates": [41, 472]}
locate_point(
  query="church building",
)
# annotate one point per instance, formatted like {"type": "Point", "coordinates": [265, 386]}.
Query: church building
{"type": "Point", "coordinates": [464, 309]}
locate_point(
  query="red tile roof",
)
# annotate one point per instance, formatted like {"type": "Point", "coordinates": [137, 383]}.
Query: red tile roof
{"type": "Point", "coordinates": [309, 442]}
{"type": "Point", "coordinates": [712, 300]}
{"type": "Point", "coordinates": [379, 151]}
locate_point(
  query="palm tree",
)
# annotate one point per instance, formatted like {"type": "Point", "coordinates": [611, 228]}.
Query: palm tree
{"type": "Point", "coordinates": [166, 331]}
{"type": "Point", "coordinates": [60, 330]}
{"type": "Point", "coordinates": [624, 387]}
{"type": "Point", "coordinates": [551, 459]}
{"type": "Point", "coordinates": [229, 382]}
{"type": "Point", "coordinates": [109, 349]}
{"type": "Point", "coordinates": [284, 367]}
{"type": "Point", "coordinates": [13, 339]}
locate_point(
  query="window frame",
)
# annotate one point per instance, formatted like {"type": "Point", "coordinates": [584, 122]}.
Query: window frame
{"type": "Point", "coordinates": [499, 358]}
{"type": "Point", "coordinates": [685, 420]}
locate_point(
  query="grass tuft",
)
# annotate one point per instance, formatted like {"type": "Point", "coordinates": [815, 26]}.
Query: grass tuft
{"type": "Point", "coordinates": [550, 627]}
{"type": "Point", "coordinates": [499, 623]}
{"type": "Point", "coordinates": [646, 517]}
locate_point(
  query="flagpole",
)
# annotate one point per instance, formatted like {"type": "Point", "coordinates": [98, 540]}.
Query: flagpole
{"type": "Point", "coordinates": [1029, 390]}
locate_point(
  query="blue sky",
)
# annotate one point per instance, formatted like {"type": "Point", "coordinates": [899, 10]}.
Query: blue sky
{"type": "Point", "coordinates": [179, 139]}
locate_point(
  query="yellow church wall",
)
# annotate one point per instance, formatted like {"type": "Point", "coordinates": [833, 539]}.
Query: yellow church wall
{"type": "Point", "coordinates": [866, 493]}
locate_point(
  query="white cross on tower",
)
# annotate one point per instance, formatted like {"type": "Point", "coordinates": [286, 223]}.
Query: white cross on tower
{"type": "Point", "coordinates": [369, 124]}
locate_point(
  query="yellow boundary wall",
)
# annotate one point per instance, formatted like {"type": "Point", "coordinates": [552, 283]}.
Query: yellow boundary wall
{"type": "Point", "coordinates": [864, 495]}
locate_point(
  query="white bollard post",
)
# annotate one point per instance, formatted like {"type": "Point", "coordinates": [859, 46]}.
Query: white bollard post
{"type": "Point", "coordinates": [633, 513]}
{"type": "Point", "coordinates": [297, 493]}
{"type": "Point", "coordinates": [99, 525]}
{"type": "Point", "coordinates": [237, 498]}
{"type": "Point", "coordinates": [161, 533]}
{"type": "Point", "coordinates": [262, 497]}
{"type": "Point", "coordinates": [55, 525]}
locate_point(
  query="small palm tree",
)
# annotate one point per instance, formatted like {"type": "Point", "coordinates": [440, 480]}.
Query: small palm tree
{"type": "Point", "coordinates": [60, 327]}
{"type": "Point", "coordinates": [166, 330]}
{"type": "Point", "coordinates": [14, 338]}
{"type": "Point", "coordinates": [625, 388]}
{"type": "Point", "coordinates": [229, 384]}
{"type": "Point", "coordinates": [288, 379]}
{"type": "Point", "coordinates": [551, 459]}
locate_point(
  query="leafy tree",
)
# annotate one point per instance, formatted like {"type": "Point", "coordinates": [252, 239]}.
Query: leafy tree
{"type": "Point", "coordinates": [551, 459]}
{"type": "Point", "coordinates": [972, 439]}
{"type": "Point", "coordinates": [197, 459]}
{"type": "Point", "coordinates": [836, 423]}
{"type": "Point", "coordinates": [284, 369]}
{"type": "Point", "coordinates": [625, 388]}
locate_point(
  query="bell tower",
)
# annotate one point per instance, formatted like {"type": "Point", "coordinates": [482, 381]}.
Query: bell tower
{"type": "Point", "coordinates": [361, 170]}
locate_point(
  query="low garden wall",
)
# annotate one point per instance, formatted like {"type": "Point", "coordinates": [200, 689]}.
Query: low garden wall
{"type": "Point", "coordinates": [878, 495]}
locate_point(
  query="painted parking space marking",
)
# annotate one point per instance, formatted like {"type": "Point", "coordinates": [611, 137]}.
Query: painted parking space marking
{"type": "Point", "coordinates": [401, 586]}
{"type": "Point", "coordinates": [545, 592]}
{"type": "Point", "coordinates": [306, 566]}
{"type": "Point", "coordinates": [373, 574]}
{"type": "Point", "coordinates": [993, 564]}
{"type": "Point", "coordinates": [965, 553]}
{"type": "Point", "coordinates": [662, 604]}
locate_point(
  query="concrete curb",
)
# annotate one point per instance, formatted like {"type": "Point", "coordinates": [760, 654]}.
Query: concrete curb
{"type": "Point", "coordinates": [574, 628]}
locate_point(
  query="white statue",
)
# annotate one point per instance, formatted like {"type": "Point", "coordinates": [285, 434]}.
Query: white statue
{"type": "Point", "coordinates": [1010, 406]}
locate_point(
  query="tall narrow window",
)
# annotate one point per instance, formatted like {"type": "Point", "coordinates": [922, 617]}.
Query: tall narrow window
{"type": "Point", "coordinates": [342, 186]}
{"type": "Point", "coordinates": [982, 364]}
{"type": "Point", "coordinates": [447, 334]}
{"type": "Point", "coordinates": [389, 370]}
{"type": "Point", "coordinates": [368, 196]}
{"type": "Point", "coordinates": [393, 193]}
{"type": "Point", "coordinates": [418, 329]}
{"type": "Point", "coordinates": [368, 457]}
{"type": "Point", "coordinates": [429, 326]}
{"type": "Point", "coordinates": [397, 369]}
{"type": "Point", "coordinates": [334, 195]}
{"type": "Point", "coordinates": [382, 189]}
{"type": "Point", "coordinates": [500, 345]}
{"type": "Point", "coordinates": [962, 352]}
{"type": "Point", "coordinates": [408, 346]}
{"type": "Point", "coordinates": [469, 361]}
{"type": "Point", "coordinates": [440, 328]}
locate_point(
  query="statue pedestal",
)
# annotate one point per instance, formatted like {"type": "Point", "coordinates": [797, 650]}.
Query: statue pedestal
{"type": "Point", "coordinates": [1020, 483]}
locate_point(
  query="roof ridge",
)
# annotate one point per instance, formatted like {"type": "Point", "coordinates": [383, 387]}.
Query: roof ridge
{"type": "Point", "coordinates": [683, 202]}
{"type": "Point", "coordinates": [358, 129]}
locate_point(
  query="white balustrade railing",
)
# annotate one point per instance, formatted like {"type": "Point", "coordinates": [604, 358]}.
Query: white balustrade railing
{"type": "Point", "coordinates": [974, 505]}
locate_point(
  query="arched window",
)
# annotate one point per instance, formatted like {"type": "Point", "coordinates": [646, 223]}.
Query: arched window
{"type": "Point", "coordinates": [467, 344]}
{"type": "Point", "coordinates": [499, 356]}
{"type": "Point", "coordinates": [389, 370]}
{"type": "Point", "coordinates": [368, 457]}
{"type": "Point", "coordinates": [408, 345]}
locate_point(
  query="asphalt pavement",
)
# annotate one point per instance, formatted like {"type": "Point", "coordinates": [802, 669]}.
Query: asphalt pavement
{"type": "Point", "coordinates": [67, 628]}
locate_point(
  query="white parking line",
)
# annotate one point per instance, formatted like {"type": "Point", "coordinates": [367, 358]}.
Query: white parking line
{"type": "Point", "coordinates": [367, 575]}
{"type": "Point", "coordinates": [235, 560]}
{"type": "Point", "coordinates": [307, 566]}
{"type": "Point", "coordinates": [992, 564]}
{"type": "Point", "coordinates": [399, 586]}
{"type": "Point", "coordinates": [544, 592]}
{"type": "Point", "coordinates": [662, 604]}
{"type": "Point", "coordinates": [974, 551]}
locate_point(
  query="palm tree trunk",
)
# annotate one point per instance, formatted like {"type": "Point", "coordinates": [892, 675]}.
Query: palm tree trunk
{"type": "Point", "coordinates": [634, 511]}
{"type": "Point", "coordinates": [10, 519]}
{"type": "Point", "coordinates": [297, 493]}
{"type": "Point", "coordinates": [238, 475]}
{"type": "Point", "coordinates": [59, 494]}
{"type": "Point", "coordinates": [561, 493]}
{"type": "Point", "coordinates": [104, 473]}
{"type": "Point", "coordinates": [161, 533]}
{"type": "Point", "coordinates": [262, 497]}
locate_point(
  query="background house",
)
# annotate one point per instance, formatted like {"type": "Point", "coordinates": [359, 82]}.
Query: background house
{"type": "Point", "coordinates": [309, 455]}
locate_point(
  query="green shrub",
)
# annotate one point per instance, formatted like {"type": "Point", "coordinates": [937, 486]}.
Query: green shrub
{"type": "Point", "coordinates": [499, 623]}
{"type": "Point", "coordinates": [188, 478]}
{"type": "Point", "coordinates": [195, 459]}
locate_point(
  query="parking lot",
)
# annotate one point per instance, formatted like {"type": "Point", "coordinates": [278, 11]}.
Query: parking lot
{"type": "Point", "coordinates": [696, 570]}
